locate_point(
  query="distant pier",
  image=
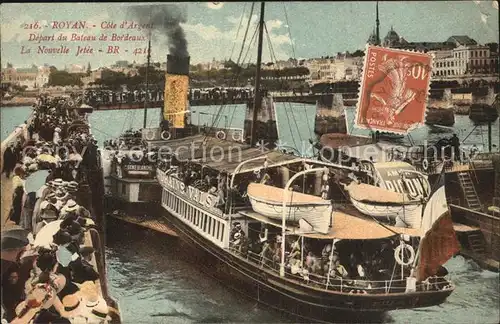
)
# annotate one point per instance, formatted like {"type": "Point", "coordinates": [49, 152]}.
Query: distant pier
{"type": "Point", "coordinates": [306, 98]}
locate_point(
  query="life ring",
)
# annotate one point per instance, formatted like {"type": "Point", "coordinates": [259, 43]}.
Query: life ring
{"type": "Point", "coordinates": [390, 156]}
{"type": "Point", "coordinates": [220, 135]}
{"type": "Point", "coordinates": [150, 135]}
{"type": "Point", "coordinates": [397, 254]}
{"type": "Point", "coordinates": [237, 139]}
{"type": "Point", "coordinates": [256, 172]}
{"type": "Point", "coordinates": [163, 137]}
{"type": "Point", "coordinates": [425, 164]}
{"type": "Point", "coordinates": [71, 103]}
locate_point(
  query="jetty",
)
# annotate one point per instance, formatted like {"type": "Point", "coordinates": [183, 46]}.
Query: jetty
{"type": "Point", "coordinates": [59, 230]}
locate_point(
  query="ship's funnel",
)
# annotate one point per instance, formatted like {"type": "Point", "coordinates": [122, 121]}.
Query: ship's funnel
{"type": "Point", "coordinates": [176, 91]}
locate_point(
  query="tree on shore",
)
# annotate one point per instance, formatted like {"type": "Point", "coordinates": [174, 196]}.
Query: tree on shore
{"type": "Point", "coordinates": [63, 78]}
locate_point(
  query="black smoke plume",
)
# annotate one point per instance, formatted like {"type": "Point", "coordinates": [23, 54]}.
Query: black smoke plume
{"type": "Point", "coordinates": [166, 20]}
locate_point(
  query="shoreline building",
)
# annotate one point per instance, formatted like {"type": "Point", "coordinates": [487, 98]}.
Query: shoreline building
{"type": "Point", "coordinates": [459, 57]}
{"type": "Point", "coordinates": [33, 77]}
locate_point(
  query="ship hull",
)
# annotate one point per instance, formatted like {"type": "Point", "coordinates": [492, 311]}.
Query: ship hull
{"type": "Point", "coordinates": [291, 297]}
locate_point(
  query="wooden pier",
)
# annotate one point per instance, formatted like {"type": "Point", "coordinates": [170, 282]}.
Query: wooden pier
{"type": "Point", "coordinates": [479, 236]}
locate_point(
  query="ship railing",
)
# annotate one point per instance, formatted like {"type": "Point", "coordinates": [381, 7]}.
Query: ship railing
{"type": "Point", "coordinates": [345, 285]}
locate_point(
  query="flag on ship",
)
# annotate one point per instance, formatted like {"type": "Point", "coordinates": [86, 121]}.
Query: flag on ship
{"type": "Point", "coordinates": [439, 242]}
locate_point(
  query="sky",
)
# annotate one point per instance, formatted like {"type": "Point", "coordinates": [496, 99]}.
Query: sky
{"type": "Point", "coordinates": [296, 29]}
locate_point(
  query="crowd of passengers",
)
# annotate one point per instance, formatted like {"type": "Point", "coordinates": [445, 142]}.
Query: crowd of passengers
{"type": "Point", "coordinates": [318, 259]}
{"type": "Point", "coordinates": [107, 97]}
{"type": "Point", "coordinates": [50, 278]}
{"type": "Point", "coordinates": [194, 175]}
{"type": "Point", "coordinates": [111, 97]}
{"type": "Point", "coordinates": [129, 139]}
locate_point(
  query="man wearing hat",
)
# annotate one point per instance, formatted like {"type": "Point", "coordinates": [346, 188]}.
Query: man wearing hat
{"type": "Point", "coordinates": [97, 308]}
{"type": "Point", "coordinates": [57, 183]}
{"type": "Point", "coordinates": [9, 160]}
{"type": "Point", "coordinates": [62, 197]}
{"type": "Point", "coordinates": [14, 241]}
{"type": "Point", "coordinates": [72, 187]}
{"type": "Point", "coordinates": [57, 136]}
{"type": "Point", "coordinates": [70, 207]}
{"type": "Point", "coordinates": [75, 308]}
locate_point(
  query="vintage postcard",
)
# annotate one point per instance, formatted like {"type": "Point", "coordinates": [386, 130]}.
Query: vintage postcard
{"type": "Point", "coordinates": [250, 162]}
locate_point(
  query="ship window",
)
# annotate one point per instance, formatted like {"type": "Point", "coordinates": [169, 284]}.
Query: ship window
{"type": "Point", "coordinates": [218, 229]}
{"type": "Point", "coordinates": [198, 216]}
{"type": "Point", "coordinates": [213, 227]}
{"type": "Point", "coordinates": [204, 221]}
{"type": "Point", "coordinates": [222, 232]}
{"type": "Point", "coordinates": [209, 226]}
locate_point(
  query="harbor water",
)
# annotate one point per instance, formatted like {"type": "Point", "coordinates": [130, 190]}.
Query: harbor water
{"type": "Point", "coordinates": [153, 284]}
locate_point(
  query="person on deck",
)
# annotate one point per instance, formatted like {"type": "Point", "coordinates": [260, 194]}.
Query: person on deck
{"type": "Point", "coordinates": [455, 143]}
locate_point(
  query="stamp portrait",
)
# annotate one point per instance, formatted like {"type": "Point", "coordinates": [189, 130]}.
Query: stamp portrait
{"type": "Point", "coordinates": [394, 90]}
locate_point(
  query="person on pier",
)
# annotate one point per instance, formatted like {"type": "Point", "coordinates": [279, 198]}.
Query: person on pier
{"type": "Point", "coordinates": [9, 160]}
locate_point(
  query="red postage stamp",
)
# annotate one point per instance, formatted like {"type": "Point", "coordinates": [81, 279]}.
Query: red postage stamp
{"type": "Point", "coordinates": [394, 90]}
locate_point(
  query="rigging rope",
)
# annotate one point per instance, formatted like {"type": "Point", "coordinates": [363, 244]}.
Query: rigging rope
{"type": "Point", "coordinates": [239, 71]}
{"type": "Point", "coordinates": [273, 57]}
{"type": "Point", "coordinates": [289, 32]}
{"type": "Point", "coordinates": [238, 31]}
{"type": "Point", "coordinates": [246, 31]}
{"type": "Point", "coordinates": [236, 77]}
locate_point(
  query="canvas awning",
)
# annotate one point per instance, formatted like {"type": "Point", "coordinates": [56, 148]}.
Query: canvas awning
{"type": "Point", "coordinates": [344, 226]}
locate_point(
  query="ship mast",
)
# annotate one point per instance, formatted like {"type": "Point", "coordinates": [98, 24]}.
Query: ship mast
{"type": "Point", "coordinates": [378, 28]}
{"type": "Point", "coordinates": [257, 96]}
{"type": "Point", "coordinates": [147, 82]}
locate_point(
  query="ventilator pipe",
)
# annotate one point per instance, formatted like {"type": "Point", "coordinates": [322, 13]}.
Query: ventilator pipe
{"type": "Point", "coordinates": [283, 220]}
{"type": "Point", "coordinates": [234, 175]}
